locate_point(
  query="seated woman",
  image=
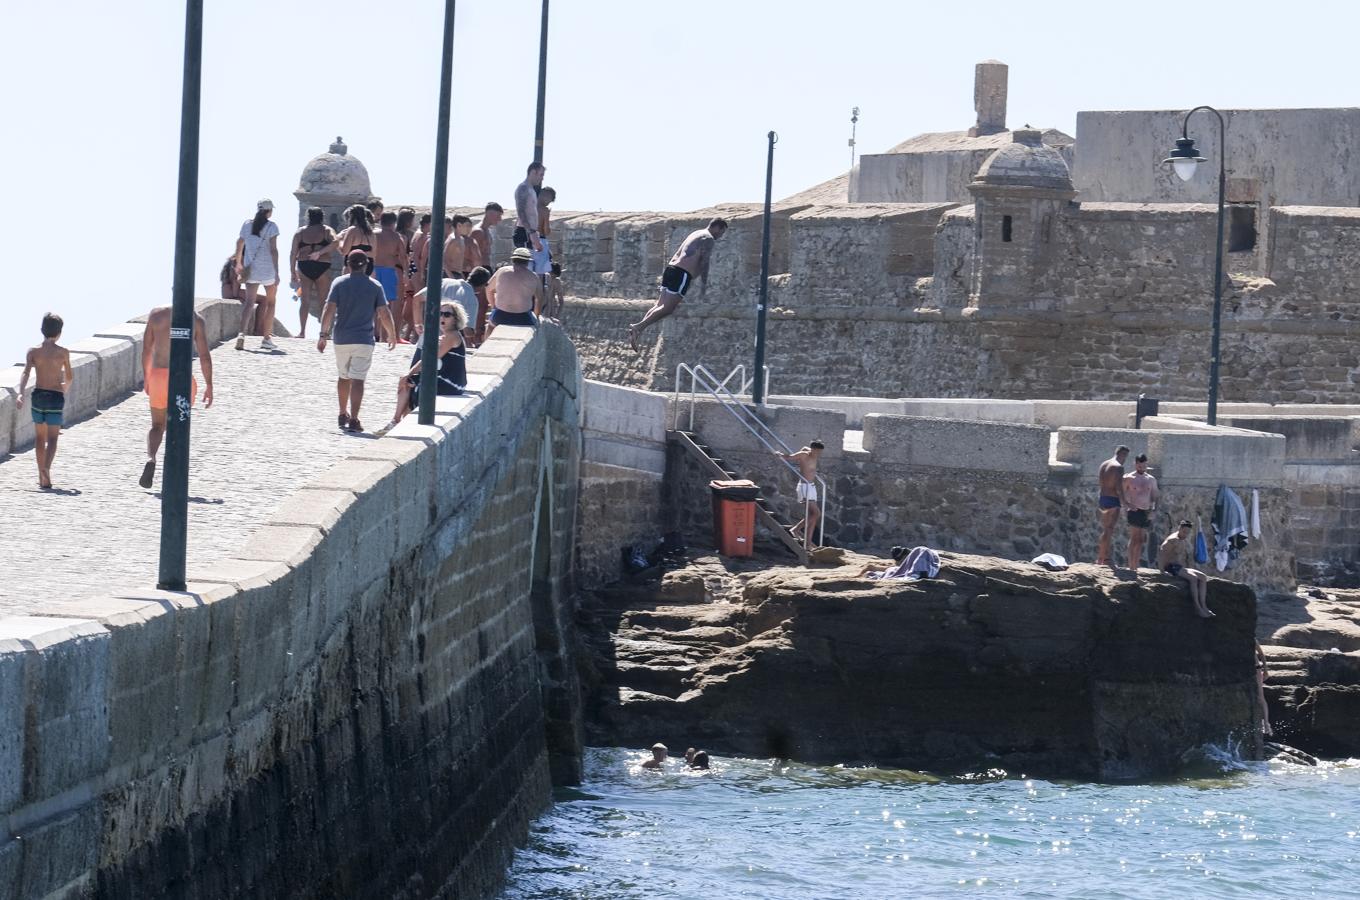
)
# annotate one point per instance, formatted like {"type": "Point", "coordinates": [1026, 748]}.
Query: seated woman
{"type": "Point", "coordinates": [452, 374]}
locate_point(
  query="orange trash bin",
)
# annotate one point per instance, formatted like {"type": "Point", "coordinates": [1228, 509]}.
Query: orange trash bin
{"type": "Point", "coordinates": [734, 516]}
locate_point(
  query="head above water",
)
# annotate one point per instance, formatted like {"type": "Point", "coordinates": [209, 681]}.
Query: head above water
{"type": "Point", "coordinates": [699, 760]}
{"type": "Point", "coordinates": [659, 751]}
{"type": "Point", "coordinates": [52, 325]}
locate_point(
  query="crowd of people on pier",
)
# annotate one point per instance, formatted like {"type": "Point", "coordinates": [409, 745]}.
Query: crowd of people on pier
{"type": "Point", "coordinates": [379, 294]}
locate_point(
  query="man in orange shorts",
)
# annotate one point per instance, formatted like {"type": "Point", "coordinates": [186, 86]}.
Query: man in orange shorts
{"type": "Point", "coordinates": [156, 367]}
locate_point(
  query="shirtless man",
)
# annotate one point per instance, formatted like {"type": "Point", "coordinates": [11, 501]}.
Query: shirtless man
{"type": "Point", "coordinates": [689, 262]}
{"type": "Point", "coordinates": [1111, 496]}
{"type": "Point", "coordinates": [1173, 558]}
{"type": "Point", "coordinates": [479, 254]}
{"type": "Point", "coordinates": [456, 247]}
{"type": "Point", "coordinates": [156, 367]}
{"type": "Point", "coordinates": [806, 461]}
{"type": "Point", "coordinates": [1140, 496]}
{"type": "Point", "coordinates": [526, 208]}
{"type": "Point", "coordinates": [415, 274]}
{"type": "Point", "coordinates": [51, 363]}
{"type": "Point", "coordinates": [390, 260]}
{"type": "Point", "coordinates": [516, 293]}
{"type": "Point", "coordinates": [658, 760]}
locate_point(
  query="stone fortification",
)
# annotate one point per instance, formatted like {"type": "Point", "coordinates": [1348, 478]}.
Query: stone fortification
{"type": "Point", "coordinates": [1078, 674]}
{"type": "Point", "coordinates": [1105, 301]}
{"type": "Point", "coordinates": [372, 698]}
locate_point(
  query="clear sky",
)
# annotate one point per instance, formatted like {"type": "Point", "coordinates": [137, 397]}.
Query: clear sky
{"type": "Point", "coordinates": [651, 105]}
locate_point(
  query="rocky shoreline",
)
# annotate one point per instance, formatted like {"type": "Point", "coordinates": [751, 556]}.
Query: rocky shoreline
{"type": "Point", "coordinates": [1085, 673]}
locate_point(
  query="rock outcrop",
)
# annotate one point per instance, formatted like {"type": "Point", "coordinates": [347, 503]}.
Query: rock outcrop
{"type": "Point", "coordinates": [1079, 673]}
{"type": "Point", "coordinates": [1312, 646]}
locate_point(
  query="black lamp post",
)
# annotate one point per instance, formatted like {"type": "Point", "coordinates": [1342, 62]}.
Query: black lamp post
{"type": "Point", "coordinates": [1184, 160]}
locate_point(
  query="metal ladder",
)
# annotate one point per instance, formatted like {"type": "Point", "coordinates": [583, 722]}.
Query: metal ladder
{"type": "Point", "coordinates": [701, 380]}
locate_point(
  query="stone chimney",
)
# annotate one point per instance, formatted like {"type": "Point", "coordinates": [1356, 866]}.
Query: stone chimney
{"type": "Point", "coordinates": [989, 97]}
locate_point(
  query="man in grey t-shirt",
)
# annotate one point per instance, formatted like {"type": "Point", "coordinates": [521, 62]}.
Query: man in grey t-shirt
{"type": "Point", "coordinates": [351, 305]}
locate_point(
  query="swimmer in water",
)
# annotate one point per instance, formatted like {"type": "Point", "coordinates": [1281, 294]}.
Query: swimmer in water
{"type": "Point", "coordinates": [658, 760]}
{"type": "Point", "coordinates": [699, 760]}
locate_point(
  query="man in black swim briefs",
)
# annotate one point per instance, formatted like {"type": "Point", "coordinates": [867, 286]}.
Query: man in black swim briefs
{"type": "Point", "coordinates": [689, 262]}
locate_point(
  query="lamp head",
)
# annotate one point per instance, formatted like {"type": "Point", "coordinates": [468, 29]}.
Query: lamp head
{"type": "Point", "coordinates": [1184, 159]}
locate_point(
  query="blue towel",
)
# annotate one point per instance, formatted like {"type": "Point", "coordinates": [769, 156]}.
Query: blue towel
{"type": "Point", "coordinates": [1201, 549]}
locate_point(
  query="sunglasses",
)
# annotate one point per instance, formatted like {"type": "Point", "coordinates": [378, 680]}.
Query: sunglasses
{"type": "Point", "coordinates": [446, 315]}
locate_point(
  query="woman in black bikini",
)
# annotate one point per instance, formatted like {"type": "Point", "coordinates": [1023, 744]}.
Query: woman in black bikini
{"type": "Point", "coordinates": [452, 374]}
{"type": "Point", "coordinates": [311, 257]}
{"type": "Point", "coordinates": [359, 234]}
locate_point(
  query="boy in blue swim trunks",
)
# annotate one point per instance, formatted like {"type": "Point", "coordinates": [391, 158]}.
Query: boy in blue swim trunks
{"type": "Point", "coordinates": [52, 365]}
{"type": "Point", "coordinates": [1110, 499]}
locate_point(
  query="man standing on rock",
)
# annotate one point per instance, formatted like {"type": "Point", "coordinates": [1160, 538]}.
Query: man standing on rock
{"type": "Point", "coordinates": [689, 262]}
{"type": "Point", "coordinates": [1111, 493]}
{"type": "Point", "coordinates": [1173, 558]}
{"type": "Point", "coordinates": [156, 371]}
{"type": "Point", "coordinates": [1140, 496]}
{"type": "Point", "coordinates": [354, 303]}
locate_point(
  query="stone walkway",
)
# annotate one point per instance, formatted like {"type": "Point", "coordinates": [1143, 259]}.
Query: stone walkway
{"type": "Point", "coordinates": [271, 429]}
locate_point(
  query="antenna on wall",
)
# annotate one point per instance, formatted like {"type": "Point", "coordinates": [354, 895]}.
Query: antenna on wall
{"type": "Point", "coordinates": [854, 122]}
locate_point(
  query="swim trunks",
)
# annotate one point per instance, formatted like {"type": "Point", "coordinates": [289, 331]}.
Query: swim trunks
{"type": "Point", "coordinates": [1173, 568]}
{"type": "Point", "coordinates": [387, 277]}
{"type": "Point", "coordinates": [542, 261]}
{"type": "Point", "coordinates": [525, 319]}
{"type": "Point", "coordinates": [158, 388]}
{"type": "Point", "coordinates": [1108, 502]}
{"type": "Point", "coordinates": [46, 406]}
{"type": "Point", "coordinates": [1139, 518]}
{"type": "Point", "coordinates": [675, 279]}
{"type": "Point", "coordinates": [521, 237]}
{"type": "Point", "coordinates": [807, 490]}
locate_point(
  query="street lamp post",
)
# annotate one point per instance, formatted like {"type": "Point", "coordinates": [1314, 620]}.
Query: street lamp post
{"type": "Point", "coordinates": [175, 482]}
{"type": "Point", "coordinates": [759, 388]}
{"type": "Point", "coordinates": [1184, 160]}
{"type": "Point", "coordinates": [542, 84]}
{"type": "Point", "coordinates": [434, 276]}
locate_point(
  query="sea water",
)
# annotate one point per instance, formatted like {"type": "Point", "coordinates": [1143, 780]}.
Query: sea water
{"type": "Point", "coordinates": [772, 830]}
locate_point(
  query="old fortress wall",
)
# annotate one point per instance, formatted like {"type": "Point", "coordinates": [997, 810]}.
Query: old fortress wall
{"type": "Point", "coordinates": [372, 697]}
{"type": "Point", "coordinates": [1107, 300]}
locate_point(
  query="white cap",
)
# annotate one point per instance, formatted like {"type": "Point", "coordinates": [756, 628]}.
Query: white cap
{"type": "Point", "coordinates": [266, 203]}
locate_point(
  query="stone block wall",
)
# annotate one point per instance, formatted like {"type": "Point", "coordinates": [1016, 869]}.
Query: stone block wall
{"type": "Point", "coordinates": [623, 467]}
{"type": "Point", "coordinates": [372, 698]}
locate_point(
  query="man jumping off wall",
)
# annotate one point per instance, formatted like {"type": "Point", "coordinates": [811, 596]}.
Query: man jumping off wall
{"type": "Point", "coordinates": [689, 262]}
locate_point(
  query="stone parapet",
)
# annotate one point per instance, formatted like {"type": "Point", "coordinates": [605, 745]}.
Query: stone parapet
{"type": "Point", "coordinates": [392, 647]}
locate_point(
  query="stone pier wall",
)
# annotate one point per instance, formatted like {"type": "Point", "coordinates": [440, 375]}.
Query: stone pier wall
{"type": "Point", "coordinates": [372, 699]}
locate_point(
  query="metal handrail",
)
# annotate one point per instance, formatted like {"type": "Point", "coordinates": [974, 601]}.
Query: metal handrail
{"type": "Point", "coordinates": [699, 376]}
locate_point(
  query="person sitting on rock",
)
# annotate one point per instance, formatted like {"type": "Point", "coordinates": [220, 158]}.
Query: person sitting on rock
{"type": "Point", "coordinates": [1172, 559]}
{"type": "Point", "coordinates": [658, 760]}
{"type": "Point", "coordinates": [898, 554]}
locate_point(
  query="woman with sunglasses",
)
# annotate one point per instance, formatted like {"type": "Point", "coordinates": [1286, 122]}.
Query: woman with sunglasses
{"type": "Point", "coordinates": [452, 374]}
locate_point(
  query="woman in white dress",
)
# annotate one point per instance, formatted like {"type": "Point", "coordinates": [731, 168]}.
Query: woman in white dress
{"type": "Point", "coordinates": [257, 264]}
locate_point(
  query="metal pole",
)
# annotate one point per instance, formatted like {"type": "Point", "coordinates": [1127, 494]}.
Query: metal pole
{"type": "Point", "coordinates": [175, 478]}
{"type": "Point", "coordinates": [1214, 350]}
{"type": "Point", "coordinates": [542, 84]}
{"type": "Point", "coordinates": [1218, 274]}
{"type": "Point", "coordinates": [434, 275]}
{"type": "Point", "coordinates": [758, 391]}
